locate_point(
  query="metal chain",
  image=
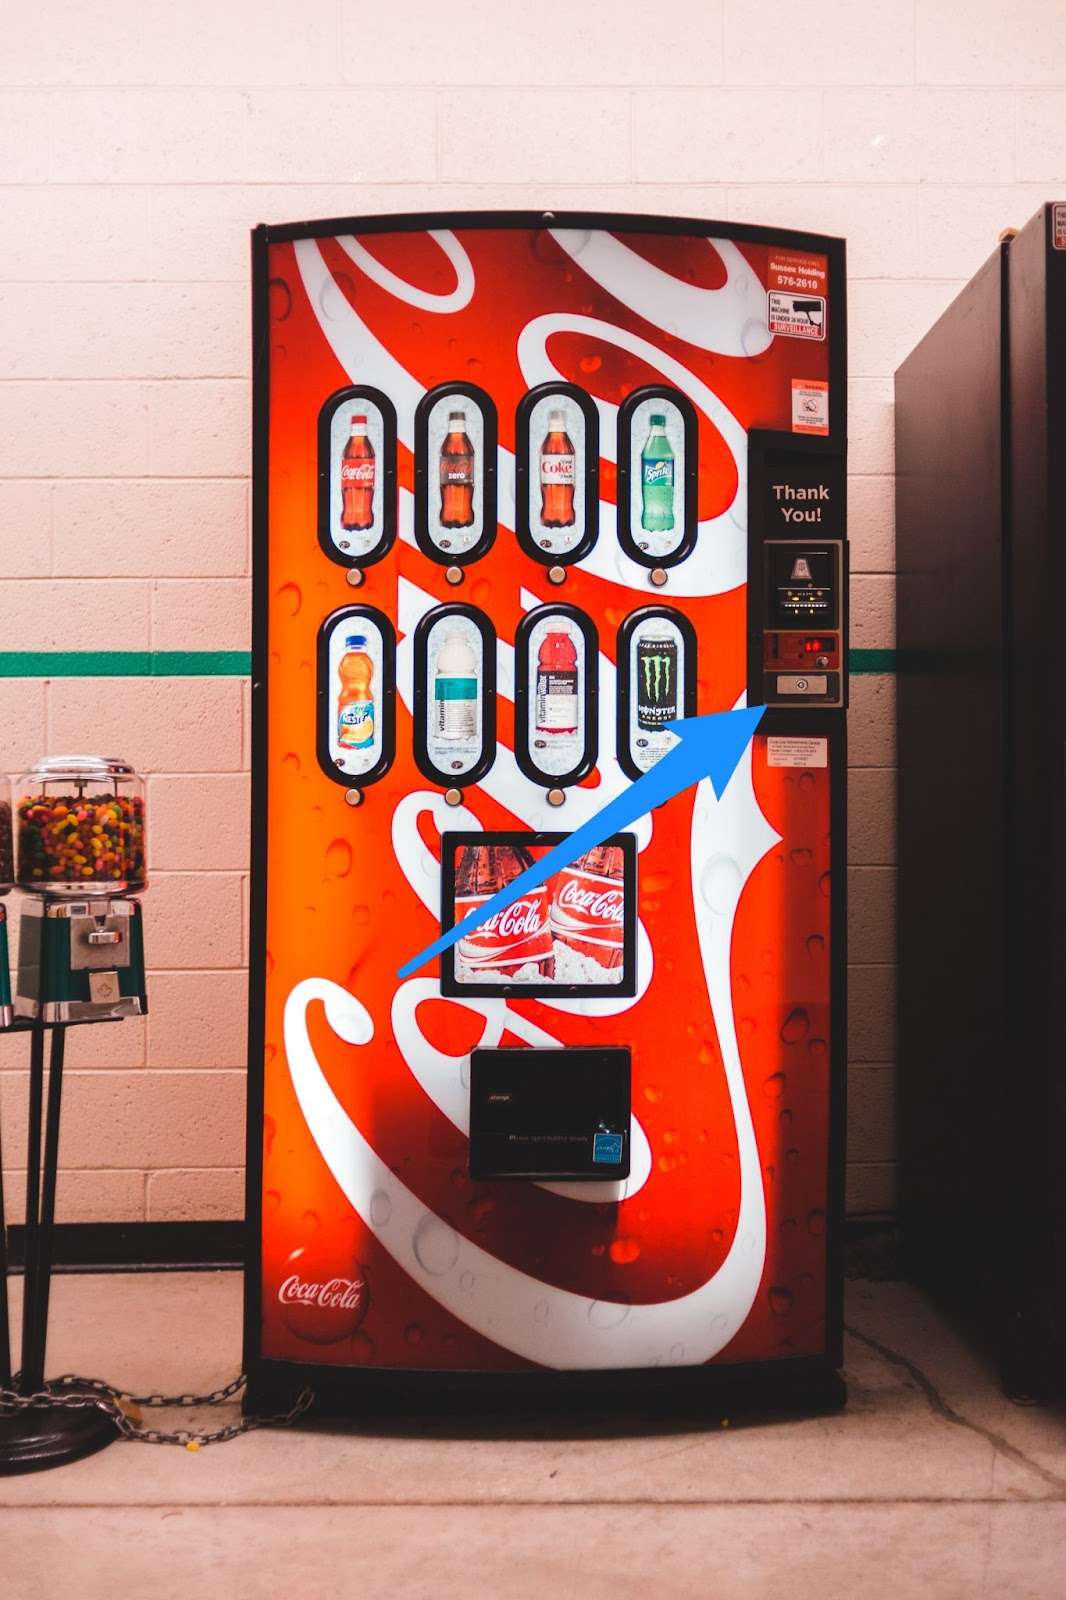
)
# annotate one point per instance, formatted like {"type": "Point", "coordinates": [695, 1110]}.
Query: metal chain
{"type": "Point", "coordinates": [72, 1393]}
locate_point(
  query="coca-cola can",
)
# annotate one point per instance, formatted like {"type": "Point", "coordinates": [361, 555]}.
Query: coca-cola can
{"type": "Point", "coordinates": [588, 909]}
{"type": "Point", "coordinates": [509, 940]}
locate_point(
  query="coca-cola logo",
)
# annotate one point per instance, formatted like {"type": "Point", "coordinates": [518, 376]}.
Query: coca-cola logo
{"type": "Point", "coordinates": [318, 1303]}
{"type": "Point", "coordinates": [357, 472]}
{"type": "Point", "coordinates": [516, 921]}
{"type": "Point", "coordinates": [338, 1294]}
{"type": "Point", "coordinates": [605, 905]}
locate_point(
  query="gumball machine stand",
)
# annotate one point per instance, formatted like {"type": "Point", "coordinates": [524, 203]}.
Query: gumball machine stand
{"type": "Point", "coordinates": [79, 863]}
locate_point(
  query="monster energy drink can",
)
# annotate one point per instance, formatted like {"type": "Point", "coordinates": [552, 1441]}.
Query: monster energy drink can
{"type": "Point", "coordinates": [656, 680]}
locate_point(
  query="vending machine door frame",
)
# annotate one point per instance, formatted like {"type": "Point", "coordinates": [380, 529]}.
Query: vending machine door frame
{"type": "Point", "coordinates": [806, 1382]}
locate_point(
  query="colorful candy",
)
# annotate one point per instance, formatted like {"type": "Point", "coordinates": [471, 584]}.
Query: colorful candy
{"type": "Point", "coordinates": [78, 839]}
{"type": "Point", "coordinates": [6, 863]}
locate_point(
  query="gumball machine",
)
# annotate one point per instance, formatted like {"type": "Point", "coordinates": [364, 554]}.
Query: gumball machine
{"type": "Point", "coordinates": [6, 879]}
{"type": "Point", "coordinates": [80, 837]}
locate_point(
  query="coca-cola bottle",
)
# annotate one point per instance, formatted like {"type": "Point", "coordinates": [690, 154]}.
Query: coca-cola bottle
{"type": "Point", "coordinates": [358, 468]}
{"type": "Point", "coordinates": [557, 475]}
{"type": "Point", "coordinates": [518, 936]}
{"type": "Point", "coordinates": [456, 474]}
{"type": "Point", "coordinates": [588, 907]}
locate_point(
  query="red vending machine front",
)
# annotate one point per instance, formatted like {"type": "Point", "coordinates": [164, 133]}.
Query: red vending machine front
{"type": "Point", "coordinates": [528, 488]}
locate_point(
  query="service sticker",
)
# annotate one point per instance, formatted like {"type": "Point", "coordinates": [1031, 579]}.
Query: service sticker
{"type": "Point", "coordinates": [1058, 226]}
{"type": "Point", "coordinates": [796, 295]}
{"type": "Point", "coordinates": [796, 751]}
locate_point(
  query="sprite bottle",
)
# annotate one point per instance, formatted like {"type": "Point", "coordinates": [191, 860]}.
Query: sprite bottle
{"type": "Point", "coordinates": [657, 478]}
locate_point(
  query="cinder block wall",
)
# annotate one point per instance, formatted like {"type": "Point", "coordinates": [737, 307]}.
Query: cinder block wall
{"type": "Point", "coordinates": [139, 142]}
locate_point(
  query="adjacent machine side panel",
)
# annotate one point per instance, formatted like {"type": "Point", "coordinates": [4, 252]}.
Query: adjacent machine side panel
{"type": "Point", "coordinates": [949, 507]}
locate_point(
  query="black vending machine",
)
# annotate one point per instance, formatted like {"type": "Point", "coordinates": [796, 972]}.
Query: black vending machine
{"type": "Point", "coordinates": [981, 556]}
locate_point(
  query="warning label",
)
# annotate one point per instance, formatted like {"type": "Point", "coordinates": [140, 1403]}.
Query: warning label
{"type": "Point", "coordinates": [797, 752]}
{"type": "Point", "coordinates": [796, 316]}
{"type": "Point", "coordinates": [1058, 227]}
{"type": "Point", "coordinates": [810, 405]}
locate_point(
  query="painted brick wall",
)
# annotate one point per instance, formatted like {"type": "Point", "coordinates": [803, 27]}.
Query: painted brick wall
{"type": "Point", "coordinates": [139, 142]}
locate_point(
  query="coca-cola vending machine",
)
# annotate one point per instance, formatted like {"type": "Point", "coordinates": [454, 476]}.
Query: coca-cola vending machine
{"type": "Point", "coordinates": [529, 487]}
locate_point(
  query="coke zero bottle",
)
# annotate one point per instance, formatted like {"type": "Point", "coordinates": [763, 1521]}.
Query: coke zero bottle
{"type": "Point", "coordinates": [456, 474]}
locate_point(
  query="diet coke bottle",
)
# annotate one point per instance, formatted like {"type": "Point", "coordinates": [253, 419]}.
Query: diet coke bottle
{"type": "Point", "coordinates": [557, 475]}
{"type": "Point", "coordinates": [588, 909]}
{"type": "Point", "coordinates": [515, 937]}
{"type": "Point", "coordinates": [358, 468]}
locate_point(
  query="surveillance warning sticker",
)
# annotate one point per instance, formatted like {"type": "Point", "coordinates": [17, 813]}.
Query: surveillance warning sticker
{"type": "Point", "coordinates": [796, 293]}
{"type": "Point", "coordinates": [1058, 227]}
{"type": "Point", "coordinates": [810, 405]}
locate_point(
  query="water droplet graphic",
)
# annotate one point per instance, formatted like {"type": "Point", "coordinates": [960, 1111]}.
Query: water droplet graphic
{"type": "Point", "coordinates": [754, 337]}
{"type": "Point", "coordinates": [780, 1300]}
{"type": "Point", "coordinates": [774, 1086]}
{"type": "Point", "coordinates": [677, 1352]}
{"type": "Point", "coordinates": [817, 1047]}
{"type": "Point", "coordinates": [816, 1223]}
{"type": "Point", "coordinates": [270, 1130]}
{"type": "Point", "coordinates": [825, 883]}
{"type": "Point", "coordinates": [652, 1093]}
{"type": "Point", "coordinates": [608, 1313]}
{"type": "Point", "coordinates": [801, 858]}
{"type": "Point", "coordinates": [474, 366]}
{"type": "Point", "coordinates": [815, 945]}
{"type": "Point", "coordinates": [481, 1210]}
{"type": "Point", "coordinates": [796, 1026]}
{"type": "Point", "coordinates": [380, 1208]}
{"type": "Point", "coordinates": [338, 858]}
{"type": "Point", "coordinates": [623, 1251]}
{"type": "Point", "coordinates": [666, 1163]}
{"type": "Point", "coordinates": [269, 1052]}
{"type": "Point", "coordinates": [272, 1200]}
{"type": "Point", "coordinates": [413, 1333]}
{"type": "Point", "coordinates": [541, 1311]}
{"type": "Point", "coordinates": [332, 297]}
{"type": "Point", "coordinates": [720, 884]}
{"type": "Point", "coordinates": [436, 1246]}
{"type": "Point", "coordinates": [280, 297]}
{"type": "Point", "coordinates": [785, 1118]}
{"type": "Point", "coordinates": [466, 1281]}
{"type": "Point", "coordinates": [291, 598]}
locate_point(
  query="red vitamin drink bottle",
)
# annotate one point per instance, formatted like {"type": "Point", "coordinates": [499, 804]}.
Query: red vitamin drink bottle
{"type": "Point", "coordinates": [515, 937]}
{"type": "Point", "coordinates": [358, 469]}
{"type": "Point", "coordinates": [456, 474]}
{"type": "Point", "coordinates": [557, 475]}
{"type": "Point", "coordinates": [556, 704]}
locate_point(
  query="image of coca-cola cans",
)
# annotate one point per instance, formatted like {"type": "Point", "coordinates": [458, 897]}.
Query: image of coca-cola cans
{"type": "Point", "coordinates": [588, 906]}
{"type": "Point", "coordinates": [516, 943]}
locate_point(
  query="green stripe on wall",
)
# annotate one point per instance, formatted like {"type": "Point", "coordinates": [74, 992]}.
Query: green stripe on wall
{"type": "Point", "coordinates": [223, 663]}
{"type": "Point", "coordinates": [125, 663]}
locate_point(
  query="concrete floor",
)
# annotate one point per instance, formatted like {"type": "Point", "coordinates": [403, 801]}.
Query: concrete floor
{"type": "Point", "coordinates": [931, 1484]}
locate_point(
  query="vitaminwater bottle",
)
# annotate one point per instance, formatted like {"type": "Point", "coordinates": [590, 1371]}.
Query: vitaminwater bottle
{"type": "Point", "coordinates": [657, 478]}
{"type": "Point", "coordinates": [355, 705]}
{"type": "Point", "coordinates": [455, 690]}
{"type": "Point", "coordinates": [556, 707]}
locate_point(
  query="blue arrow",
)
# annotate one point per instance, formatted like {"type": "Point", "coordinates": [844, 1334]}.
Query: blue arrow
{"type": "Point", "coordinates": [708, 747]}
